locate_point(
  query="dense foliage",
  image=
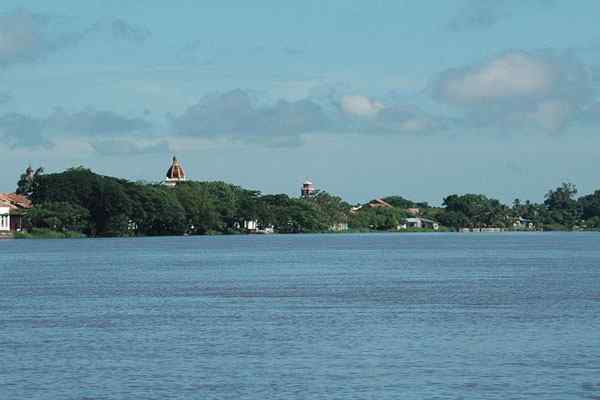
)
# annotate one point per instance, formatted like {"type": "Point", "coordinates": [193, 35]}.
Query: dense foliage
{"type": "Point", "coordinates": [561, 210]}
{"type": "Point", "coordinates": [78, 200]}
{"type": "Point", "coordinates": [378, 219]}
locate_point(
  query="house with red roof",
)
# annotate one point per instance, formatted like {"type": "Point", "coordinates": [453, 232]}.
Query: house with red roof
{"type": "Point", "coordinates": [12, 209]}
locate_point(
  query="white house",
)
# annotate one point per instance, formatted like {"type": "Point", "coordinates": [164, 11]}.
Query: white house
{"type": "Point", "coordinates": [419, 223]}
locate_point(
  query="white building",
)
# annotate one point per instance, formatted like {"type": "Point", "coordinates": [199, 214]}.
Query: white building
{"type": "Point", "coordinates": [4, 218]}
{"type": "Point", "coordinates": [251, 225]}
{"type": "Point", "coordinates": [339, 227]}
{"type": "Point", "coordinates": [419, 223]}
{"type": "Point", "coordinates": [523, 224]}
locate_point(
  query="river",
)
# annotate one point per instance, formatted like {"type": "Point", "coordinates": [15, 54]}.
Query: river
{"type": "Point", "coordinates": [371, 316]}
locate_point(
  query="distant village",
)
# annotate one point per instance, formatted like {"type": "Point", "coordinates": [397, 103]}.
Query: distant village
{"type": "Point", "coordinates": [34, 205]}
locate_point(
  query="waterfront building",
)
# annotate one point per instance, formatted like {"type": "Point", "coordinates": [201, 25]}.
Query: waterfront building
{"type": "Point", "coordinates": [419, 223]}
{"type": "Point", "coordinates": [308, 190]}
{"type": "Point", "coordinates": [253, 226]}
{"type": "Point", "coordinates": [339, 227]}
{"type": "Point", "coordinates": [12, 209]}
{"type": "Point", "coordinates": [523, 224]}
{"type": "Point", "coordinates": [175, 173]}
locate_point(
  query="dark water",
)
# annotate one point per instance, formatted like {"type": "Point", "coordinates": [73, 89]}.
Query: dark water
{"type": "Point", "coordinates": [508, 316]}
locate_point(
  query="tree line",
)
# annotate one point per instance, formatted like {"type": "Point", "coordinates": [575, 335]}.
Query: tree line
{"type": "Point", "coordinates": [78, 200]}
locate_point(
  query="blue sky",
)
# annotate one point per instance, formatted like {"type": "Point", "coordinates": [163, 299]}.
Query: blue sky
{"type": "Point", "coordinates": [416, 98]}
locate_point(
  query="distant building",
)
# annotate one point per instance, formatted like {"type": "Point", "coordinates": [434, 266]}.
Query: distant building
{"type": "Point", "coordinates": [339, 227]}
{"type": "Point", "coordinates": [523, 224]}
{"type": "Point", "coordinates": [175, 173]}
{"type": "Point", "coordinates": [253, 226]}
{"type": "Point", "coordinates": [308, 190]}
{"type": "Point", "coordinates": [12, 209]}
{"type": "Point", "coordinates": [419, 223]}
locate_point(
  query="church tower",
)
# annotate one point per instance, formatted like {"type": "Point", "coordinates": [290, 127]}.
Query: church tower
{"type": "Point", "coordinates": [175, 173]}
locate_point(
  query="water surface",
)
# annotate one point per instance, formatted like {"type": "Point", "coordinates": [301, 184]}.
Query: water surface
{"type": "Point", "coordinates": [390, 316]}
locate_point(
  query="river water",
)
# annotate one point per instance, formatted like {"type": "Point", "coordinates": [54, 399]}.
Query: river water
{"type": "Point", "coordinates": [374, 316]}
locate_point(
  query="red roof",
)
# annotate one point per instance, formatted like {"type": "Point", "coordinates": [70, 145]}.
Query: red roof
{"type": "Point", "coordinates": [176, 171]}
{"type": "Point", "coordinates": [15, 202]}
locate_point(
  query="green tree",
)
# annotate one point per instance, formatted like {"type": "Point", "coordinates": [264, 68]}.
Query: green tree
{"type": "Point", "coordinates": [474, 211]}
{"type": "Point", "coordinates": [590, 205]}
{"type": "Point", "coordinates": [561, 206]}
{"type": "Point", "coordinates": [58, 216]}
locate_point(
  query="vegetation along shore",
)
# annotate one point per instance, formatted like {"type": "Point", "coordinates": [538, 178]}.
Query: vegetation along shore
{"type": "Point", "coordinates": [79, 202]}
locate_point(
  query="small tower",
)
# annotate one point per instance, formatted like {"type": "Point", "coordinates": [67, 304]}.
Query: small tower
{"type": "Point", "coordinates": [29, 174]}
{"type": "Point", "coordinates": [307, 190]}
{"type": "Point", "coordinates": [175, 173]}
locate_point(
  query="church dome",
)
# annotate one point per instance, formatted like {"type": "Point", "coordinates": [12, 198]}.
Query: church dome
{"type": "Point", "coordinates": [176, 171]}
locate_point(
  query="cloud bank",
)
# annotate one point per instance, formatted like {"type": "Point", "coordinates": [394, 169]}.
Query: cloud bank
{"type": "Point", "coordinates": [95, 123]}
{"type": "Point", "coordinates": [28, 132]}
{"type": "Point", "coordinates": [545, 89]}
{"type": "Point", "coordinates": [235, 115]}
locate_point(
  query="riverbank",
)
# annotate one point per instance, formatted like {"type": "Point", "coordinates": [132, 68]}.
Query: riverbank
{"type": "Point", "coordinates": [50, 234]}
{"type": "Point", "coordinates": [40, 233]}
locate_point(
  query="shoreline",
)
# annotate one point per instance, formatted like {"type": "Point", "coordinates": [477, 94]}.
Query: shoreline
{"type": "Point", "coordinates": [74, 235]}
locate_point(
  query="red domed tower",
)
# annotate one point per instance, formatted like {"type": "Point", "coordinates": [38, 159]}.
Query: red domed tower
{"type": "Point", "coordinates": [175, 173]}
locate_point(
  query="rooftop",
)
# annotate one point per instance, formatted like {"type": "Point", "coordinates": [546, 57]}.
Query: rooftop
{"type": "Point", "coordinates": [15, 202]}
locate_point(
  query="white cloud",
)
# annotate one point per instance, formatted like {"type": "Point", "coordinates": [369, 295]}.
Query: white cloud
{"type": "Point", "coordinates": [545, 90]}
{"type": "Point", "coordinates": [360, 106]}
{"type": "Point", "coordinates": [514, 74]}
{"type": "Point", "coordinates": [363, 114]}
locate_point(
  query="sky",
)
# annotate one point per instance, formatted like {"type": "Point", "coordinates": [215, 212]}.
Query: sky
{"type": "Point", "coordinates": [414, 98]}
